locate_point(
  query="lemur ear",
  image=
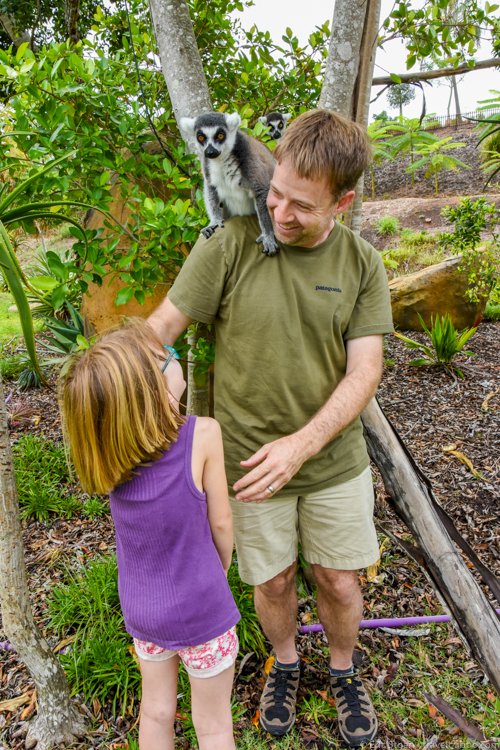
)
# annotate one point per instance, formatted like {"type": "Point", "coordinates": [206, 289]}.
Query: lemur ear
{"type": "Point", "coordinates": [186, 126]}
{"type": "Point", "coordinates": [233, 121]}
{"type": "Point", "coordinates": [287, 116]}
{"type": "Point", "coordinates": [263, 120]}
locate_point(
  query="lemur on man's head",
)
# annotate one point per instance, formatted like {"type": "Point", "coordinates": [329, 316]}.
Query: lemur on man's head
{"type": "Point", "coordinates": [277, 122]}
{"type": "Point", "coordinates": [237, 172]}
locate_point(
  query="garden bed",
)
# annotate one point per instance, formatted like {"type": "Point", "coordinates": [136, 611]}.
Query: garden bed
{"type": "Point", "coordinates": [431, 410]}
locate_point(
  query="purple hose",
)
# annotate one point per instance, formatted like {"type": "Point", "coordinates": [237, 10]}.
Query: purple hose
{"type": "Point", "coordinates": [392, 622]}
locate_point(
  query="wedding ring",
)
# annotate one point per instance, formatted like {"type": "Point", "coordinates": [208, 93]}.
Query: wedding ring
{"type": "Point", "coordinates": [271, 489]}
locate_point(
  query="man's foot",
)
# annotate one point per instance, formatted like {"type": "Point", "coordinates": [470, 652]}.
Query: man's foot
{"type": "Point", "coordinates": [357, 719]}
{"type": "Point", "coordinates": [278, 699]}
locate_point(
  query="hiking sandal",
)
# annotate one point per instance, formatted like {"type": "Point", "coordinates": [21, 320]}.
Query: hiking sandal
{"type": "Point", "coordinates": [278, 699]}
{"type": "Point", "coordinates": [357, 719]}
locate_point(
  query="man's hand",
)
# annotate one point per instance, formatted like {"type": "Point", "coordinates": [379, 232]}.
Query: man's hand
{"type": "Point", "coordinates": [278, 462]}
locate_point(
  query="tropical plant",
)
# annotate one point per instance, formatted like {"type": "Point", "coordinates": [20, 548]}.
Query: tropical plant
{"type": "Point", "coordinates": [433, 157]}
{"type": "Point", "coordinates": [446, 343]}
{"type": "Point", "coordinates": [412, 137]}
{"type": "Point", "coordinates": [94, 507]}
{"type": "Point", "coordinates": [387, 226]}
{"type": "Point", "coordinates": [482, 264]}
{"type": "Point", "coordinates": [377, 133]}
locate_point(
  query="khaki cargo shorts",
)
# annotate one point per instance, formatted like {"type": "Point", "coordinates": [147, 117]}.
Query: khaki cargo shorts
{"type": "Point", "coordinates": [335, 525]}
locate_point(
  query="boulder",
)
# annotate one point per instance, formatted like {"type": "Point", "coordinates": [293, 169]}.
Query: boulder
{"type": "Point", "coordinates": [434, 291]}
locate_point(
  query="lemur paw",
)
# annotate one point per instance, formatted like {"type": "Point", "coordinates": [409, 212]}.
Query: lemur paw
{"type": "Point", "coordinates": [208, 231]}
{"type": "Point", "coordinates": [271, 247]}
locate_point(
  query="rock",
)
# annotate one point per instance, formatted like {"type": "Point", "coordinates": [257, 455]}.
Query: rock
{"type": "Point", "coordinates": [434, 291]}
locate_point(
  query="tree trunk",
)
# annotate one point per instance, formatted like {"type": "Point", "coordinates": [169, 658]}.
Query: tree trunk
{"type": "Point", "coordinates": [57, 720]}
{"type": "Point", "coordinates": [362, 93]}
{"type": "Point", "coordinates": [457, 103]}
{"type": "Point", "coordinates": [72, 14]}
{"type": "Point", "coordinates": [476, 620]}
{"type": "Point", "coordinates": [342, 64]}
{"type": "Point", "coordinates": [187, 86]}
{"type": "Point", "coordinates": [18, 38]}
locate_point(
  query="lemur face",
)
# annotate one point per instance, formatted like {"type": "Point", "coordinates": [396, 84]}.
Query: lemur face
{"type": "Point", "coordinates": [214, 133]}
{"type": "Point", "coordinates": [277, 122]}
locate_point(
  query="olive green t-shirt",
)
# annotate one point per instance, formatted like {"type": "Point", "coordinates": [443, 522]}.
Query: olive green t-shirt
{"type": "Point", "coordinates": [281, 326]}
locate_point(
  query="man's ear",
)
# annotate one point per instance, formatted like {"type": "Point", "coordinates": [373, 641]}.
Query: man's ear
{"type": "Point", "coordinates": [344, 202]}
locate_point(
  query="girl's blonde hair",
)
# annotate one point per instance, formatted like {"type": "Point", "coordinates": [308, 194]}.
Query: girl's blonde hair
{"type": "Point", "coordinates": [115, 408]}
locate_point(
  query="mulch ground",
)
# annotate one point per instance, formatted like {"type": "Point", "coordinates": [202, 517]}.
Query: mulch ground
{"type": "Point", "coordinates": [431, 410]}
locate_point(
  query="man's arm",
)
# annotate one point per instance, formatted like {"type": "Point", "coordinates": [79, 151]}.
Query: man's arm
{"type": "Point", "coordinates": [168, 322]}
{"type": "Point", "coordinates": [280, 460]}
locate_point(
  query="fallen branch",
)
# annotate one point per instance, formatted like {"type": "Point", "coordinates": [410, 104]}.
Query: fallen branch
{"type": "Point", "coordinates": [471, 730]}
{"type": "Point", "coordinates": [475, 619]}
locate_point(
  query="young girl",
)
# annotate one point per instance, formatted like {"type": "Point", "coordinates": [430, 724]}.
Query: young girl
{"type": "Point", "coordinates": [174, 535]}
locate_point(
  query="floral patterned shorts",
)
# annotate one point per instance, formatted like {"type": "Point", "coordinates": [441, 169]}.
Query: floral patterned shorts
{"type": "Point", "coordinates": [206, 660]}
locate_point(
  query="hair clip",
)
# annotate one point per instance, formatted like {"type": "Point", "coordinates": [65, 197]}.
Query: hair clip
{"type": "Point", "coordinates": [172, 355]}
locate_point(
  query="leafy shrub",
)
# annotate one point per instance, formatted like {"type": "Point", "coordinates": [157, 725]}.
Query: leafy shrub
{"type": "Point", "coordinates": [446, 344]}
{"type": "Point", "coordinates": [470, 219]}
{"type": "Point", "coordinates": [30, 376]}
{"type": "Point", "coordinates": [387, 226]}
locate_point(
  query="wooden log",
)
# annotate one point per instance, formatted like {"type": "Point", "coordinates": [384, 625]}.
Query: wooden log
{"type": "Point", "coordinates": [474, 615]}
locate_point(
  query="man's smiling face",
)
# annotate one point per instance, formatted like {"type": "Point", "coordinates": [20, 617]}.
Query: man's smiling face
{"type": "Point", "coordinates": [302, 211]}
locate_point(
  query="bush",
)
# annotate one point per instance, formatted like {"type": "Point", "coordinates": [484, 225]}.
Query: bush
{"type": "Point", "coordinates": [39, 459]}
{"type": "Point", "coordinates": [492, 311]}
{"type": "Point", "coordinates": [249, 631]}
{"type": "Point", "coordinates": [387, 226]}
{"type": "Point", "coordinates": [415, 250]}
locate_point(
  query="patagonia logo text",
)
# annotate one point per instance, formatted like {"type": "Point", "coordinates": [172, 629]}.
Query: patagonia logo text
{"type": "Point", "coordinates": [328, 289]}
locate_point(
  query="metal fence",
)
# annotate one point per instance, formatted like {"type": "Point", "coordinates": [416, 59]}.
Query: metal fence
{"type": "Point", "coordinates": [464, 120]}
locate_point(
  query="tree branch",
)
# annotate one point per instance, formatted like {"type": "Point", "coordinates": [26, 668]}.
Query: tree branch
{"type": "Point", "coordinates": [426, 75]}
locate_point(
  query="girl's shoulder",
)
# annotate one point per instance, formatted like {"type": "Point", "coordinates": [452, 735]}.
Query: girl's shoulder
{"type": "Point", "coordinates": [206, 432]}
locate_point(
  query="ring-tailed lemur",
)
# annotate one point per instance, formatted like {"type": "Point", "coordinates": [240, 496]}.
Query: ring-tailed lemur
{"type": "Point", "coordinates": [277, 122]}
{"type": "Point", "coordinates": [237, 172]}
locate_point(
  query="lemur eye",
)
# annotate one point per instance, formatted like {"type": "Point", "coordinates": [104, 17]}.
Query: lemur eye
{"type": "Point", "coordinates": [220, 136]}
{"type": "Point", "coordinates": [201, 138]}
{"type": "Point", "coordinates": [280, 125]}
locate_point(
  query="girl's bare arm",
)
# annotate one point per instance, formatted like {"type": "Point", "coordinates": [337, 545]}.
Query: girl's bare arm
{"type": "Point", "coordinates": [208, 471]}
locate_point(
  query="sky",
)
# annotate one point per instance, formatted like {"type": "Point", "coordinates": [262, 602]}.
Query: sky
{"type": "Point", "coordinates": [275, 15]}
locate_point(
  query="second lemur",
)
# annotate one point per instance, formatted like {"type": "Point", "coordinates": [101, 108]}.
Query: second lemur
{"type": "Point", "coordinates": [237, 172]}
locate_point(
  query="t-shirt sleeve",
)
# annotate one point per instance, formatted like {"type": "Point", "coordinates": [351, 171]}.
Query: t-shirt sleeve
{"type": "Point", "coordinates": [372, 312]}
{"type": "Point", "coordinates": [198, 288]}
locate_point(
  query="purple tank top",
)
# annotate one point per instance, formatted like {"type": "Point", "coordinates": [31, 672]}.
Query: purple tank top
{"type": "Point", "coordinates": [171, 582]}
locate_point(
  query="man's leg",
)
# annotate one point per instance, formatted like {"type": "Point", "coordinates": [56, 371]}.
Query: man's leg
{"type": "Point", "coordinates": [276, 606]}
{"type": "Point", "coordinates": [338, 538]}
{"type": "Point", "coordinates": [340, 607]}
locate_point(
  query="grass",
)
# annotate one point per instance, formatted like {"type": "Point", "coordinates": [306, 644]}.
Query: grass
{"type": "Point", "coordinates": [45, 484]}
{"type": "Point", "coordinates": [387, 226]}
{"type": "Point", "coordinates": [10, 323]}
{"type": "Point", "coordinates": [415, 250]}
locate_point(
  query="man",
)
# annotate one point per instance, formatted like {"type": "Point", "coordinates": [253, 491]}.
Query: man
{"type": "Point", "coordinates": [299, 356]}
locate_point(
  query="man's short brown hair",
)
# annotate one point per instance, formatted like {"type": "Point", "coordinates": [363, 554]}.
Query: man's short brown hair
{"type": "Point", "coordinates": [321, 143]}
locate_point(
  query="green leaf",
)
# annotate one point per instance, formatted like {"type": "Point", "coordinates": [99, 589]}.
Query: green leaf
{"type": "Point", "coordinates": [420, 362]}
{"type": "Point", "coordinates": [45, 283]}
{"type": "Point", "coordinates": [14, 279]}
{"type": "Point", "coordinates": [58, 296]}
{"type": "Point", "coordinates": [124, 295]}
{"type": "Point", "coordinates": [82, 342]}
{"type": "Point", "coordinates": [395, 78]}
